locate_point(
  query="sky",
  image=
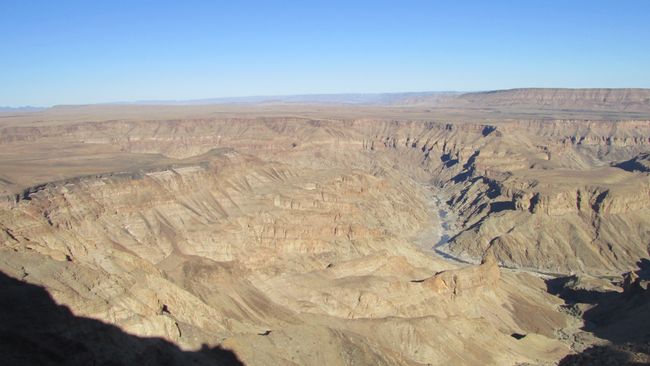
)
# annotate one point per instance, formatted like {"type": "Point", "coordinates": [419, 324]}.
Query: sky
{"type": "Point", "coordinates": [79, 52]}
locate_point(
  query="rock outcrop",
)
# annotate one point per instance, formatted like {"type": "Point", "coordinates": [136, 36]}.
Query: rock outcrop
{"type": "Point", "coordinates": [466, 279]}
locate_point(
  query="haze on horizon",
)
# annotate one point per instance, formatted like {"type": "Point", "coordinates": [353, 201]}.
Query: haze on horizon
{"type": "Point", "coordinates": [81, 52]}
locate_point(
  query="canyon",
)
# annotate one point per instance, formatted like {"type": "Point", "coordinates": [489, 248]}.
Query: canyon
{"type": "Point", "coordinates": [503, 228]}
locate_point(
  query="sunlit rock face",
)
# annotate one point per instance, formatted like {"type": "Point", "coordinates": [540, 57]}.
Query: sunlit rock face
{"type": "Point", "coordinates": [304, 236]}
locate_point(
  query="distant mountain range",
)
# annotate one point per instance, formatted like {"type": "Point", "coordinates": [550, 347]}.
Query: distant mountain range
{"type": "Point", "coordinates": [539, 98]}
{"type": "Point", "coordinates": [20, 109]}
{"type": "Point", "coordinates": [345, 98]}
{"type": "Point", "coordinates": [542, 98]}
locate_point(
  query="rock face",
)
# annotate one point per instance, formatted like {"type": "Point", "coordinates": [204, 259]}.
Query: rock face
{"type": "Point", "coordinates": [290, 236]}
{"type": "Point", "coordinates": [466, 279]}
{"type": "Point", "coordinates": [618, 314]}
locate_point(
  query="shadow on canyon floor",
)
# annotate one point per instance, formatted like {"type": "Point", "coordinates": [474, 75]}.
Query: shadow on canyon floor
{"type": "Point", "coordinates": [34, 330]}
{"type": "Point", "coordinates": [629, 354]}
{"type": "Point", "coordinates": [622, 318]}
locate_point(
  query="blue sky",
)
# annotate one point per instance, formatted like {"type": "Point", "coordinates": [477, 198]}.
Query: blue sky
{"type": "Point", "coordinates": [72, 52]}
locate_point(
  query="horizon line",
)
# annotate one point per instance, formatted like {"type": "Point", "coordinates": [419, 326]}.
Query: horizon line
{"type": "Point", "coordinates": [231, 99]}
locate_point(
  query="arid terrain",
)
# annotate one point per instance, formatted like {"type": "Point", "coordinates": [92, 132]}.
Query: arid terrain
{"type": "Point", "coordinates": [492, 228]}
